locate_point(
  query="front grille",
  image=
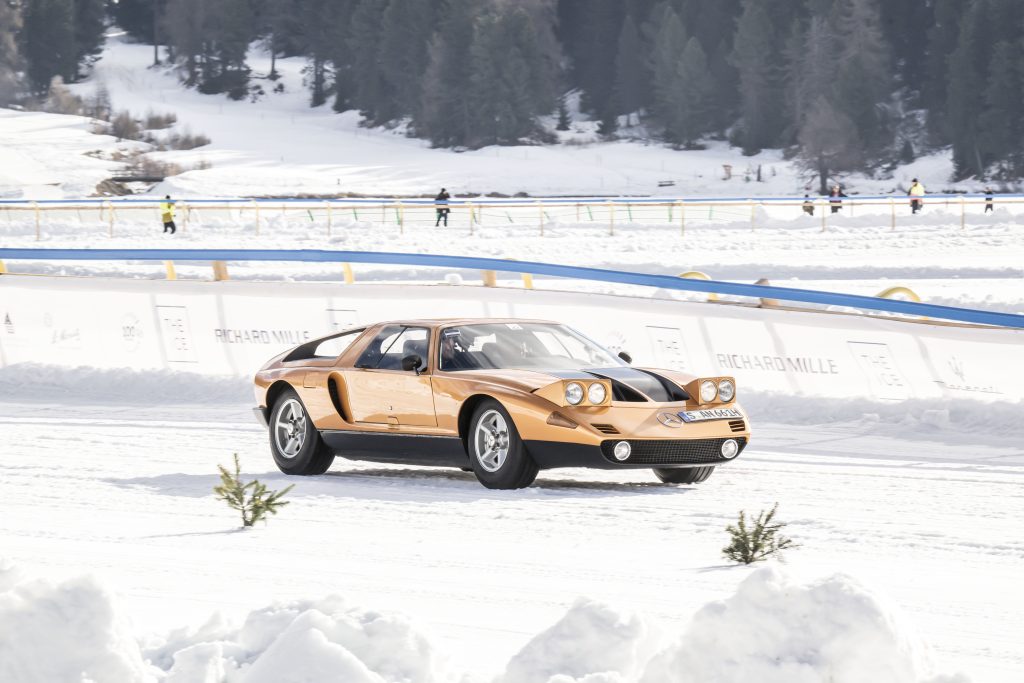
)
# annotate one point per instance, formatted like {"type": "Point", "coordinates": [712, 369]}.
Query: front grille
{"type": "Point", "coordinates": [670, 451]}
{"type": "Point", "coordinates": [605, 429]}
{"type": "Point", "coordinates": [737, 425]}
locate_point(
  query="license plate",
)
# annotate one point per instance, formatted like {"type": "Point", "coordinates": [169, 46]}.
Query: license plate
{"type": "Point", "coordinates": [710, 414]}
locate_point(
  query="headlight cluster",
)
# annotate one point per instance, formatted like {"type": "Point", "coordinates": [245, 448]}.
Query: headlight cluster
{"type": "Point", "coordinates": [724, 391]}
{"type": "Point", "coordinates": [595, 393]}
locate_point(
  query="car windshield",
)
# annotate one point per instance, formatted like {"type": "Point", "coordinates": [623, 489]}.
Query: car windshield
{"type": "Point", "coordinates": [527, 346]}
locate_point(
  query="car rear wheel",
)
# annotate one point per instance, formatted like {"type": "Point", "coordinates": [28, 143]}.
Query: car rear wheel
{"type": "Point", "coordinates": [684, 475]}
{"type": "Point", "coordinates": [496, 452]}
{"type": "Point", "coordinates": [294, 439]}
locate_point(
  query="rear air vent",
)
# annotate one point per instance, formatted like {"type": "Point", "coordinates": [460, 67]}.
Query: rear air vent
{"type": "Point", "coordinates": [737, 425]}
{"type": "Point", "coordinates": [605, 429]}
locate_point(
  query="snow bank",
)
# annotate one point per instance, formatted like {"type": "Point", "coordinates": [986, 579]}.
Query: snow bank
{"type": "Point", "coordinates": [65, 632]}
{"type": "Point", "coordinates": [301, 641]}
{"type": "Point", "coordinates": [771, 630]}
{"type": "Point", "coordinates": [40, 382]}
{"type": "Point", "coordinates": [776, 631]}
{"type": "Point", "coordinates": [591, 643]}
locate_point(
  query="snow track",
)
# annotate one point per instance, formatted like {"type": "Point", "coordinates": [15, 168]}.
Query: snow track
{"type": "Point", "coordinates": [125, 492]}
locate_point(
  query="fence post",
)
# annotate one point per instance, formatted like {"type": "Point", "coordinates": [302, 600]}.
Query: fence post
{"type": "Point", "coordinates": [527, 279]}
{"type": "Point", "coordinates": [963, 213]}
{"type": "Point", "coordinates": [472, 213]}
{"type": "Point", "coordinates": [401, 217]}
{"type": "Point", "coordinates": [220, 271]}
{"type": "Point", "coordinates": [540, 217]}
{"type": "Point", "coordinates": [490, 278]}
{"type": "Point", "coordinates": [753, 215]}
{"type": "Point", "coordinates": [682, 219]}
{"type": "Point", "coordinates": [350, 277]}
{"type": "Point", "coordinates": [611, 222]}
{"type": "Point", "coordinates": [3, 270]}
{"type": "Point", "coordinates": [892, 204]}
{"type": "Point", "coordinates": [577, 212]}
{"type": "Point", "coordinates": [36, 207]}
{"type": "Point", "coordinates": [257, 207]}
{"type": "Point", "coordinates": [824, 216]}
{"type": "Point", "coordinates": [328, 219]}
{"type": "Point", "coordinates": [110, 230]}
{"type": "Point", "coordinates": [184, 221]}
{"type": "Point", "coordinates": [172, 274]}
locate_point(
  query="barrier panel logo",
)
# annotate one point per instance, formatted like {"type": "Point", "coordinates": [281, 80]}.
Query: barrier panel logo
{"type": "Point", "coordinates": [176, 334]}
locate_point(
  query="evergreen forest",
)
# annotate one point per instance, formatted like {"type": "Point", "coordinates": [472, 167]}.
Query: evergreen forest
{"type": "Point", "coordinates": [842, 84]}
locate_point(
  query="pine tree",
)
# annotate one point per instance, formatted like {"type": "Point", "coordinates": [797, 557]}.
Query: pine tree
{"type": "Point", "coordinates": [369, 90]}
{"type": "Point", "coordinates": [90, 24]}
{"type": "Point", "coordinates": [964, 97]}
{"type": "Point", "coordinates": [757, 59]}
{"type": "Point", "coordinates": [749, 545]}
{"type": "Point", "coordinates": [668, 46]}
{"type": "Point", "coordinates": [942, 40]}
{"type": "Point", "coordinates": [564, 121]}
{"type": "Point", "coordinates": [1000, 127]}
{"type": "Point", "coordinates": [10, 56]}
{"type": "Point", "coordinates": [48, 42]}
{"type": "Point", "coordinates": [690, 118]}
{"type": "Point", "coordinates": [863, 73]}
{"type": "Point", "coordinates": [829, 142]}
{"type": "Point", "coordinates": [406, 27]}
{"type": "Point", "coordinates": [811, 68]}
{"type": "Point", "coordinates": [631, 79]}
{"type": "Point", "coordinates": [252, 499]}
{"type": "Point", "coordinates": [444, 116]}
{"type": "Point", "coordinates": [594, 61]}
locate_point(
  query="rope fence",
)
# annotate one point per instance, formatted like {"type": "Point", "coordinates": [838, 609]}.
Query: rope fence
{"type": "Point", "coordinates": [331, 217]}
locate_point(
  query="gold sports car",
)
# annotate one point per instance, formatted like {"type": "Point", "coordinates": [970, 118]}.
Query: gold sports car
{"type": "Point", "coordinates": [503, 398]}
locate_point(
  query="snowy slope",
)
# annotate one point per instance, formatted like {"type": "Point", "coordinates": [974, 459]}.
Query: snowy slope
{"type": "Point", "coordinates": [279, 146]}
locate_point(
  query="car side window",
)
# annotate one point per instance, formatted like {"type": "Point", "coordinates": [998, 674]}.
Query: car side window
{"type": "Point", "coordinates": [334, 347]}
{"type": "Point", "coordinates": [392, 344]}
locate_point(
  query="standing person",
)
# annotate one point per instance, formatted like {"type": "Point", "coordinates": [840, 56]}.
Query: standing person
{"type": "Point", "coordinates": [989, 199]}
{"type": "Point", "coordinates": [808, 205]}
{"type": "Point", "coordinates": [441, 201]}
{"type": "Point", "coordinates": [916, 194]}
{"type": "Point", "coordinates": [836, 198]}
{"type": "Point", "coordinates": [167, 215]}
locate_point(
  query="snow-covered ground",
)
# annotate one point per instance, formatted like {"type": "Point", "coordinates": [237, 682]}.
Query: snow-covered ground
{"type": "Point", "coordinates": [278, 145]}
{"type": "Point", "coordinates": [121, 489]}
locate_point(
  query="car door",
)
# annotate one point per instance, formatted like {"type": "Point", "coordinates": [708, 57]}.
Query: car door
{"type": "Point", "coordinates": [380, 392]}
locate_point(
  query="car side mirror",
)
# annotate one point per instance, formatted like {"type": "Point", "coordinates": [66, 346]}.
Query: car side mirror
{"type": "Point", "coordinates": [626, 357]}
{"type": "Point", "coordinates": [412, 362]}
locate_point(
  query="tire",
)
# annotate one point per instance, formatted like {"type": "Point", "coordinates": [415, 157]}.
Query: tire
{"type": "Point", "coordinates": [684, 475]}
{"type": "Point", "coordinates": [496, 453]}
{"type": "Point", "coordinates": [294, 440]}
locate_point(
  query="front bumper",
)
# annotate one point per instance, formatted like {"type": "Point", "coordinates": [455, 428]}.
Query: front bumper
{"type": "Point", "coordinates": [646, 453]}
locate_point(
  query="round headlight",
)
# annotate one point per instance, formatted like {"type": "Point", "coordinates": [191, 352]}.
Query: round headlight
{"type": "Point", "coordinates": [726, 390]}
{"type": "Point", "coordinates": [708, 391]}
{"type": "Point", "coordinates": [574, 393]}
{"type": "Point", "coordinates": [730, 448]}
{"type": "Point", "coordinates": [596, 394]}
{"type": "Point", "coordinates": [622, 450]}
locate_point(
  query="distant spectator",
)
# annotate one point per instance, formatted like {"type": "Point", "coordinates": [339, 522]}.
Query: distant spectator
{"type": "Point", "coordinates": [441, 201]}
{"type": "Point", "coordinates": [808, 205]}
{"type": "Point", "coordinates": [989, 199]}
{"type": "Point", "coordinates": [167, 215]}
{"type": "Point", "coordinates": [916, 194]}
{"type": "Point", "coordinates": [835, 200]}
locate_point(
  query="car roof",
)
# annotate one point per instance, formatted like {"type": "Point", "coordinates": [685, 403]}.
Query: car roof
{"type": "Point", "coordinates": [447, 322]}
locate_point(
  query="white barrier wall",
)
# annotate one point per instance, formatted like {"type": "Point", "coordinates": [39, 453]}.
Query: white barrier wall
{"type": "Point", "coordinates": [232, 328]}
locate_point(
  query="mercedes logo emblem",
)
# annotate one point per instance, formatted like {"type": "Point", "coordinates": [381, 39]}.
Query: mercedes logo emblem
{"type": "Point", "coordinates": [670, 419]}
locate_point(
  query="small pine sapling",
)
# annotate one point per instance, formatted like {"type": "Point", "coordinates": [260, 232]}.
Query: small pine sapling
{"type": "Point", "coordinates": [760, 542]}
{"type": "Point", "coordinates": [252, 498]}
{"type": "Point", "coordinates": [563, 115]}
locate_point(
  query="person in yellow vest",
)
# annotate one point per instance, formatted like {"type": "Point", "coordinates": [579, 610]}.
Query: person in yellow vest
{"type": "Point", "coordinates": [167, 215]}
{"type": "Point", "coordinates": [916, 194]}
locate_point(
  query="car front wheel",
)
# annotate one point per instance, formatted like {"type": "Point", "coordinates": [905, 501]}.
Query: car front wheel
{"type": "Point", "coordinates": [684, 475]}
{"type": "Point", "coordinates": [294, 439]}
{"type": "Point", "coordinates": [496, 452]}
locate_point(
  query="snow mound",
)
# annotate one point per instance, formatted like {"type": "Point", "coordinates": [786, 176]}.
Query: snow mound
{"type": "Point", "coordinates": [591, 643]}
{"type": "Point", "coordinates": [775, 631]}
{"type": "Point", "coordinates": [71, 631]}
{"type": "Point", "coordinates": [301, 641]}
